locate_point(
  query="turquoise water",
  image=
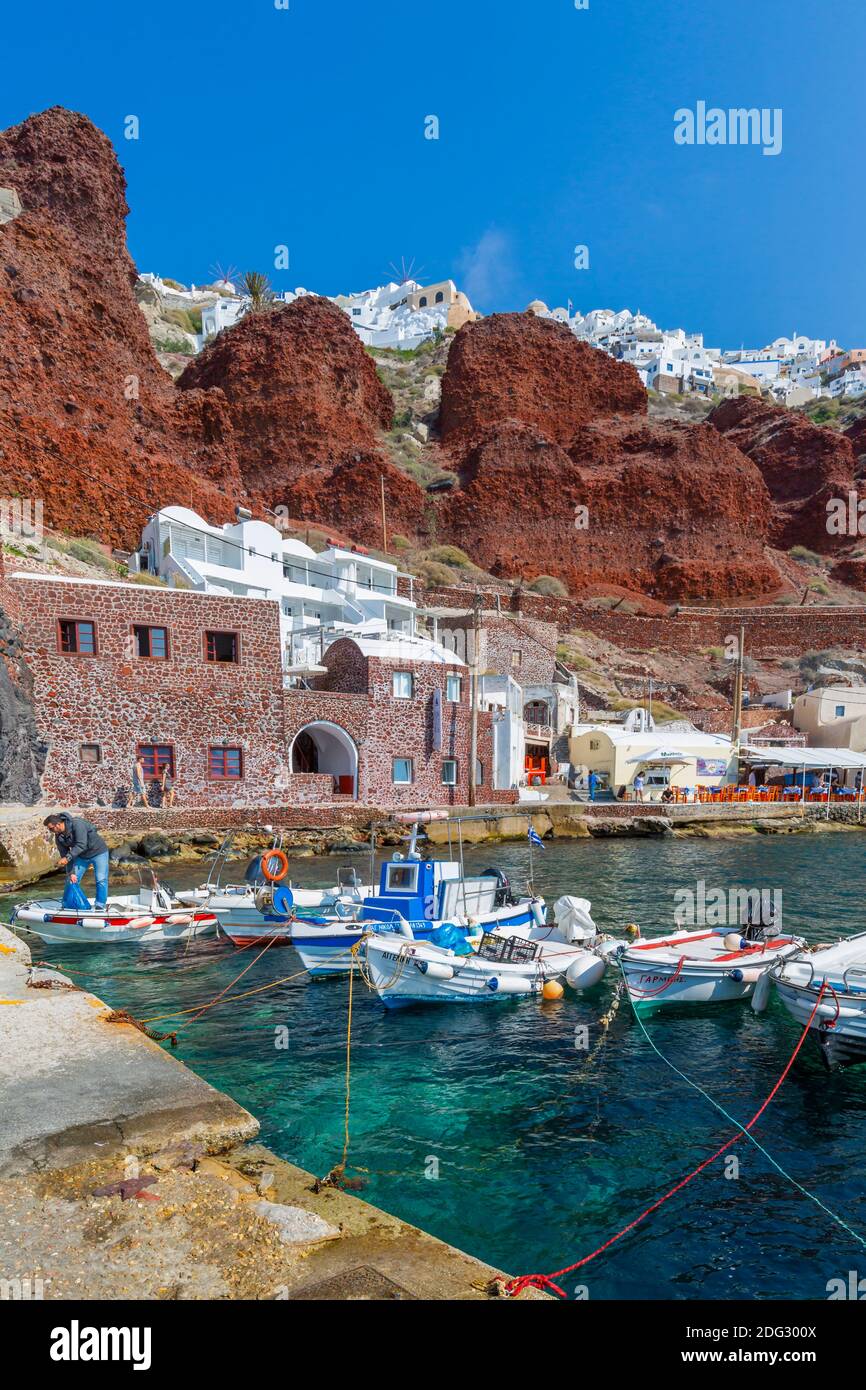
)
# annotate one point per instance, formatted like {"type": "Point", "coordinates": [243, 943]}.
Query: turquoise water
{"type": "Point", "coordinates": [541, 1156]}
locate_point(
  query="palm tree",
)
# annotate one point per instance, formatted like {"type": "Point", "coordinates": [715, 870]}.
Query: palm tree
{"type": "Point", "coordinates": [257, 288]}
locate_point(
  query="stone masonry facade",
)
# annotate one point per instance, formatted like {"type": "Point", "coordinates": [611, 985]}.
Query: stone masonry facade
{"type": "Point", "coordinates": [98, 707]}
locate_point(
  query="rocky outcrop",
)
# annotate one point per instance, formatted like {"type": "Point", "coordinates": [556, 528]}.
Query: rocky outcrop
{"type": "Point", "coordinates": [856, 433]}
{"type": "Point", "coordinates": [303, 393]}
{"type": "Point", "coordinates": [89, 421]}
{"type": "Point", "coordinates": [533, 370]}
{"type": "Point", "coordinates": [803, 465]}
{"type": "Point", "coordinates": [561, 473]}
{"type": "Point", "coordinates": [22, 753]}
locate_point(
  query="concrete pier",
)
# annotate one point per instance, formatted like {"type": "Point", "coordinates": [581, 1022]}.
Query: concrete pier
{"type": "Point", "coordinates": [124, 1175]}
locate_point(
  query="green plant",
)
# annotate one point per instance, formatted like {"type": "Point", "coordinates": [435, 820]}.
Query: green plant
{"type": "Point", "coordinates": [450, 555]}
{"type": "Point", "coordinates": [547, 584]}
{"type": "Point", "coordinates": [89, 552]}
{"type": "Point", "coordinates": [258, 288]}
{"type": "Point", "coordinates": [805, 555]}
{"type": "Point", "coordinates": [434, 573]}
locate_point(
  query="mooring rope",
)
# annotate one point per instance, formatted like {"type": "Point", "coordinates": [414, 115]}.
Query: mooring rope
{"type": "Point", "coordinates": [722, 1111]}
{"type": "Point", "coordinates": [547, 1281]}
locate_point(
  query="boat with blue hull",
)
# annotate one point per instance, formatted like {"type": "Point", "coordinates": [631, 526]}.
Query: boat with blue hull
{"type": "Point", "coordinates": [416, 898]}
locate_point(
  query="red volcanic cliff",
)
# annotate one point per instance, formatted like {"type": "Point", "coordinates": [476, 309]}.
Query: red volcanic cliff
{"type": "Point", "coordinates": [520, 367]}
{"type": "Point", "coordinates": [303, 392]}
{"type": "Point", "coordinates": [803, 465]}
{"type": "Point", "coordinates": [540, 426]}
{"type": "Point", "coordinates": [89, 422]}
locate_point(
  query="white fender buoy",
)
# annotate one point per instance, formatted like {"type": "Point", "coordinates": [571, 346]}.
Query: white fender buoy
{"type": "Point", "coordinates": [538, 913]}
{"type": "Point", "coordinates": [732, 941]}
{"type": "Point", "coordinates": [179, 919]}
{"type": "Point", "coordinates": [761, 994]}
{"type": "Point", "coordinates": [139, 922]}
{"type": "Point", "coordinates": [585, 972]}
{"type": "Point", "coordinates": [436, 969]}
{"type": "Point", "coordinates": [509, 984]}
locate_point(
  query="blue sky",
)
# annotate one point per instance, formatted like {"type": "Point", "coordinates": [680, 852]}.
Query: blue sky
{"type": "Point", "coordinates": [305, 127]}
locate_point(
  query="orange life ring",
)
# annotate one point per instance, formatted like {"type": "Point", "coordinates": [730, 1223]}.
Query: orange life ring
{"type": "Point", "coordinates": [267, 859]}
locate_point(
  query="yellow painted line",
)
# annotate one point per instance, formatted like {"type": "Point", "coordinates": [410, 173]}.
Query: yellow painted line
{"type": "Point", "coordinates": [11, 1001]}
{"type": "Point", "coordinates": [7, 950]}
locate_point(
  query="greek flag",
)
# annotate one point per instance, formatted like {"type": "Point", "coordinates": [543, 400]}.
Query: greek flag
{"type": "Point", "coordinates": [534, 838]}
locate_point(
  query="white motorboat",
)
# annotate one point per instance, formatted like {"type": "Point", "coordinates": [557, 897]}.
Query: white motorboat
{"type": "Point", "coordinates": [702, 967]}
{"type": "Point", "coordinates": [838, 1024]}
{"type": "Point", "coordinates": [485, 965]}
{"type": "Point", "coordinates": [150, 915]}
{"type": "Point", "coordinates": [258, 908]}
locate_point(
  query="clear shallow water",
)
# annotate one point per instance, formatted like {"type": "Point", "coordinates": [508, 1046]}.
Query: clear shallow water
{"type": "Point", "coordinates": [542, 1156]}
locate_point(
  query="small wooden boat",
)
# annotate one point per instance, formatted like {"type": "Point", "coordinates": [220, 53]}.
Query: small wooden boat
{"type": "Point", "coordinates": [489, 965]}
{"type": "Point", "coordinates": [701, 967]}
{"type": "Point", "coordinates": [122, 920]}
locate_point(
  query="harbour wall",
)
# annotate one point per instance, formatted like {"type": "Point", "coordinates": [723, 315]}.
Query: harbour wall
{"type": "Point", "coordinates": [96, 1114]}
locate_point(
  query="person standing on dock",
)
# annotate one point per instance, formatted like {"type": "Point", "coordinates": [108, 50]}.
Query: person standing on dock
{"type": "Point", "coordinates": [638, 787]}
{"type": "Point", "coordinates": [81, 847]}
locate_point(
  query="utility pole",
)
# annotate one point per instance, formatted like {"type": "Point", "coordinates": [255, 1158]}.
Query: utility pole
{"type": "Point", "coordinates": [384, 525]}
{"type": "Point", "coordinates": [473, 695]}
{"type": "Point", "coordinates": [738, 690]}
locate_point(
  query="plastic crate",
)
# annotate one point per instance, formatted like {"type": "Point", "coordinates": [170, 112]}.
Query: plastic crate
{"type": "Point", "coordinates": [507, 950]}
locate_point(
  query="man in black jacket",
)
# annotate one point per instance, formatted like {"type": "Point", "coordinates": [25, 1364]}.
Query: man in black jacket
{"type": "Point", "coordinates": [81, 847]}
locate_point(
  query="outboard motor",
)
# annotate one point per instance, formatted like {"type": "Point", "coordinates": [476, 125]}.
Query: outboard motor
{"type": "Point", "coordinates": [503, 896]}
{"type": "Point", "coordinates": [253, 872]}
{"type": "Point", "coordinates": [573, 920]}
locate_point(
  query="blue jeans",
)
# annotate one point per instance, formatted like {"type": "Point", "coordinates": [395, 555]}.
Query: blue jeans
{"type": "Point", "coordinates": [99, 864]}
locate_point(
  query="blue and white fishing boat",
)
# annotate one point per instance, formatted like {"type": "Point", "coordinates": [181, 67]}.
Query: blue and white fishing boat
{"type": "Point", "coordinates": [416, 898]}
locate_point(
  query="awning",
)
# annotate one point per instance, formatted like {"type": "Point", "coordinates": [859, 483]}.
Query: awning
{"type": "Point", "coordinates": [805, 758]}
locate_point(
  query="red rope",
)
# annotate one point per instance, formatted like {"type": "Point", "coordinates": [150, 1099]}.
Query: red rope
{"type": "Point", "coordinates": [546, 1281]}
{"type": "Point", "coordinates": [650, 993]}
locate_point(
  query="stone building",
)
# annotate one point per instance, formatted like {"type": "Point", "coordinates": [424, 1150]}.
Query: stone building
{"type": "Point", "coordinates": [194, 682]}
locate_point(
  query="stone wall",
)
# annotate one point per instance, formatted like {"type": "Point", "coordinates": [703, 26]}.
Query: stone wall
{"type": "Point", "coordinates": [770, 631]}
{"type": "Point", "coordinates": [117, 701]}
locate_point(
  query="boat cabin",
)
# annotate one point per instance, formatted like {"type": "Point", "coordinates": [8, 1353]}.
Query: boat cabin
{"type": "Point", "coordinates": [421, 890]}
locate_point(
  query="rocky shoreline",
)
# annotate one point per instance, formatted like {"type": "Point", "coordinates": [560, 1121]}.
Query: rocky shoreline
{"type": "Point", "coordinates": [131, 849]}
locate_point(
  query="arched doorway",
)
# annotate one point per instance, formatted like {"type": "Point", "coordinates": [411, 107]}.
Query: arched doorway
{"type": "Point", "coordinates": [325, 748]}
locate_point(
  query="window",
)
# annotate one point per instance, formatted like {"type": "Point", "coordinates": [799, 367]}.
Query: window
{"type": "Point", "coordinates": [439, 297]}
{"type": "Point", "coordinates": [403, 878]}
{"type": "Point", "coordinates": [156, 757]}
{"type": "Point", "coordinates": [449, 772]}
{"type": "Point", "coordinates": [401, 771]}
{"type": "Point", "coordinates": [90, 753]}
{"type": "Point", "coordinates": [151, 642]}
{"type": "Point", "coordinates": [454, 689]}
{"type": "Point", "coordinates": [840, 711]}
{"type": "Point", "coordinates": [221, 646]}
{"type": "Point", "coordinates": [77, 635]}
{"type": "Point", "coordinates": [225, 764]}
{"type": "Point", "coordinates": [422, 302]}
{"type": "Point", "coordinates": [594, 745]}
{"type": "Point", "coordinates": [403, 685]}
{"type": "Point", "coordinates": [516, 657]}
{"type": "Point", "coordinates": [479, 773]}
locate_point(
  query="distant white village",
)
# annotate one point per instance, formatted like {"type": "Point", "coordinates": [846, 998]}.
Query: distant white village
{"type": "Point", "coordinates": [793, 370]}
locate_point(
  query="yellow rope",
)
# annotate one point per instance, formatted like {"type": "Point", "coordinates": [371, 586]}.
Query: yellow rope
{"type": "Point", "coordinates": [245, 994]}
